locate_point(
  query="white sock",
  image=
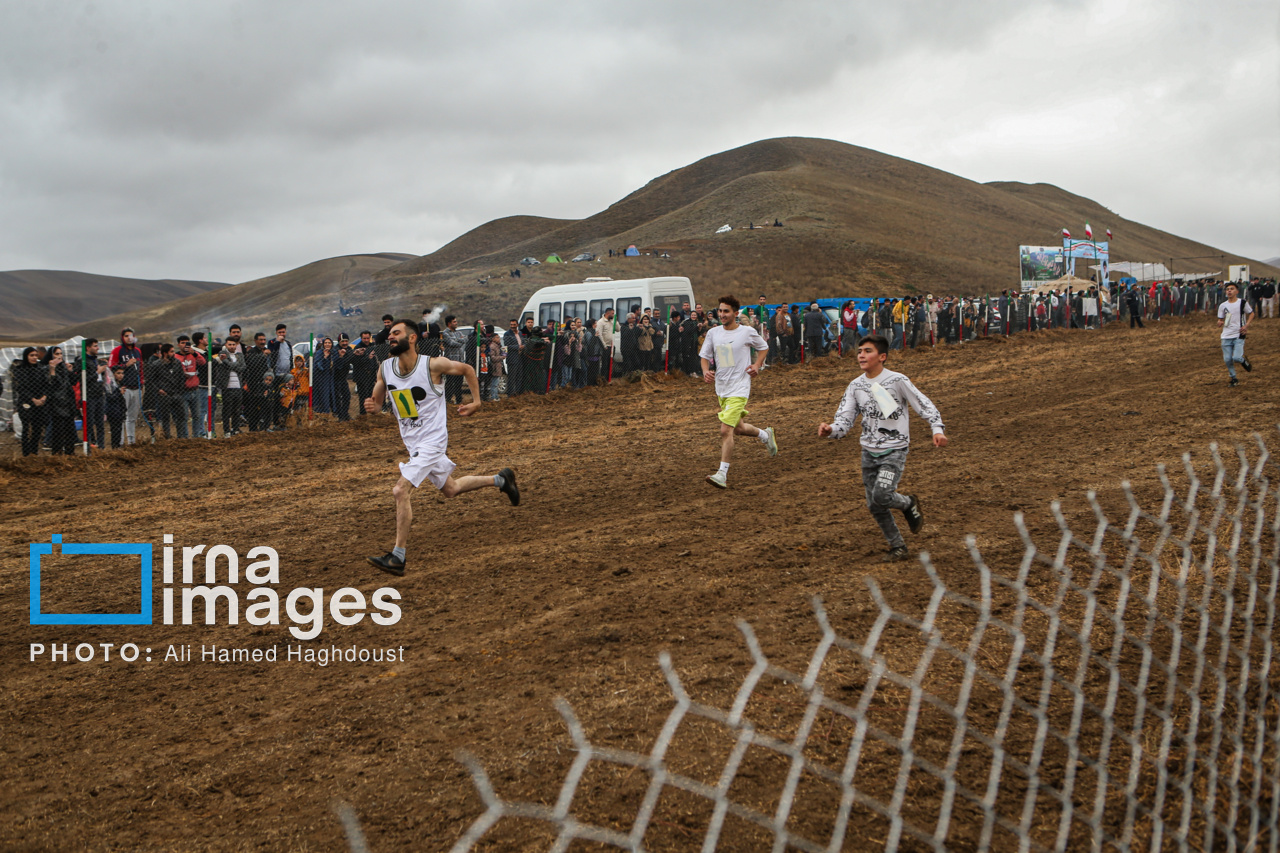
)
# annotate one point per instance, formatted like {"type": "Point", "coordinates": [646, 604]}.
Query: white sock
{"type": "Point", "coordinates": [724, 468]}
{"type": "Point", "coordinates": [499, 480]}
{"type": "Point", "coordinates": [764, 437]}
{"type": "Point", "coordinates": [399, 553]}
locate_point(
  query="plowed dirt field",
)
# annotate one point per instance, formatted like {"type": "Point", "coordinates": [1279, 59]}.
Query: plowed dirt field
{"type": "Point", "coordinates": [618, 551]}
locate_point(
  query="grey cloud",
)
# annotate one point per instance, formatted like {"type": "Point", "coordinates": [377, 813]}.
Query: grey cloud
{"type": "Point", "coordinates": [190, 139]}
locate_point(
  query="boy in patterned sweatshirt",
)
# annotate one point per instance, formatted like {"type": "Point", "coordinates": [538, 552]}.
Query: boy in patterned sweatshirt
{"type": "Point", "coordinates": [881, 396]}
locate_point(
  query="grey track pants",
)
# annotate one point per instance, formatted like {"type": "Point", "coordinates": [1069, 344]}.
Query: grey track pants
{"type": "Point", "coordinates": [880, 476]}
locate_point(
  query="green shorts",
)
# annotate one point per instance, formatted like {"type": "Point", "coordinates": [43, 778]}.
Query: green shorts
{"type": "Point", "coordinates": [732, 410]}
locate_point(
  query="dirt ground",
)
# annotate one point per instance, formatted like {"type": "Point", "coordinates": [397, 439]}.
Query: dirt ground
{"type": "Point", "coordinates": [618, 551]}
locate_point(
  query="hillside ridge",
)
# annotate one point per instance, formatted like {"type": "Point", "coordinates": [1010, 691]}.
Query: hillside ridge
{"type": "Point", "coordinates": [856, 222]}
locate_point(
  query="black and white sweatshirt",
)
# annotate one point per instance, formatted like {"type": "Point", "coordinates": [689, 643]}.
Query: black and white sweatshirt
{"type": "Point", "coordinates": [880, 432]}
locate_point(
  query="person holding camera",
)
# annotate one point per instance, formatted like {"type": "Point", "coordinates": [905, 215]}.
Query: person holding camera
{"type": "Point", "coordinates": [341, 378]}
{"type": "Point", "coordinates": [62, 402]}
{"type": "Point", "coordinates": [228, 370]}
{"type": "Point", "coordinates": [1234, 317]}
{"type": "Point", "coordinates": [115, 405]}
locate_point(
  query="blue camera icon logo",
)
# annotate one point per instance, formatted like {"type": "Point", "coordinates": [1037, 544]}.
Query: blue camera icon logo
{"type": "Point", "coordinates": [141, 549]}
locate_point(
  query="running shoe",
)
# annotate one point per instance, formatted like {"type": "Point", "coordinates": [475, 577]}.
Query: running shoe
{"type": "Point", "coordinates": [389, 563]}
{"type": "Point", "coordinates": [914, 514]}
{"type": "Point", "coordinates": [896, 555]}
{"type": "Point", "coordinates": [718, 479]}
{"type": "Point", "coordinates": [771, 442]}
{"type": "Point", "coordinates": [1246, 364]}
{"type": "Point", "coordinates": [509, 487]}
{"type": "Point", "coordinates": [1233, 383]}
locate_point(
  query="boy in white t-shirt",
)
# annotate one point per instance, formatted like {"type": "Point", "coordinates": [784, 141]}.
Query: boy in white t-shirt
{"type": "Point", "coordinates": [730, 346]}
{"type": "Point", "coordinates": [1234, 317]}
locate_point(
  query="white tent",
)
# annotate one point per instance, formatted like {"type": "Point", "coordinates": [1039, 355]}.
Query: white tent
{"type": "Point", "coordinates": [724, 229]}
{"type": "Point", "coordinates": [8, 355]}
{"type": "Point", "coordinates": [1139, 270]}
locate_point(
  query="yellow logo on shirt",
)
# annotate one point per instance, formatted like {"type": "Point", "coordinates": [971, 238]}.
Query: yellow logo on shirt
{"type": "Point", "coordinates": [406, 406]}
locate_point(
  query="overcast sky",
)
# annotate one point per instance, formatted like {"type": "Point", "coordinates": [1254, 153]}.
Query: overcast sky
{"type": "Point", "coordinates": [231, 140]}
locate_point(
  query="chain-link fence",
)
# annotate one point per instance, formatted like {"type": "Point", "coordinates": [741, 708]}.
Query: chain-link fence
{"type": "Point", "coordinates": [1115, 688]}
{"type": "Point", "coordinates": [133, 392]}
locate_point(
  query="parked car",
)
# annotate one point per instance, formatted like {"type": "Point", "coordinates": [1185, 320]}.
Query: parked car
{"type": "Point", "coordinates": [585, 256]}
{"type": "Point", "coordinates": [530, 262]}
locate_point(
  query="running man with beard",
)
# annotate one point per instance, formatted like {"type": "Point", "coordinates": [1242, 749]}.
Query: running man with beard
{"type": "Point", "coordinates": [415, 384]}
{"type": "Point", "coordinates": [882, 396]}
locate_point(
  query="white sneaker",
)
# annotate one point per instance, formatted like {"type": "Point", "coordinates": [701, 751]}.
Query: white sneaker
{"type": "Point", "coordinates": [718, 480]}
{"type": "Point", "coordinates": [771, 442]}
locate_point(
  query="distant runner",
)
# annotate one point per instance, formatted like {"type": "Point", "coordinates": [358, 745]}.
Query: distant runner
{"type": "Point", "coordinates": [881, 396]}
{"type": "Point", "coordinates": [416, 385]}
{"type": "Point", "coordinates": [1230, 315]}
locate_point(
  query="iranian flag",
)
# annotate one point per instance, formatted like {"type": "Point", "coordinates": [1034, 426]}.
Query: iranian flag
{"type": "Point", "coordinates": [1066, 233]}
{"type": "Point", "coordinates": [1088, 232]}
{"type": "Point", "coordinates": [1108, 233]}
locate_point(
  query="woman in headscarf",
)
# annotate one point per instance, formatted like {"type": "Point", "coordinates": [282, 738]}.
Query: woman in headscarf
{"type": "Point", "coordinates": [62, 402]}
{"type": "Point", "coordinates": [494, 362]}
{"type": "Point", "coordinates": [644, 344]}
{"type": "Point", "coordinates": [322, 394]}
{"type": "Point", "coordinates": [31, 399]}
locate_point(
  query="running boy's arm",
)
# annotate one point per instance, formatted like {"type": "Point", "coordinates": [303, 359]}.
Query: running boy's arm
{"type": "Point", "coordinates": [926, 409]}
{"type": "Point", "coordinates": [762, 352]}
{"type": "Point", "coordinates": [845, 417]}
{"type": "Point", "coordinates": [373, 403]}
{"type": "Point", "coordinates": [446, 367]}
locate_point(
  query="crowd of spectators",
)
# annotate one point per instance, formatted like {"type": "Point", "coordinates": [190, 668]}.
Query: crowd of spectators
{"type": "Point", "coordinates": [182, 389]}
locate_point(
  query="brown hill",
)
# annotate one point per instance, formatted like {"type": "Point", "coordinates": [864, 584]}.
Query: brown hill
{"type": "Point", "coordinates": [37, 301]}
{"type": "Point", "coordinates": [496, 236]}
{"type": "Point", "coordinates": [856, 223]}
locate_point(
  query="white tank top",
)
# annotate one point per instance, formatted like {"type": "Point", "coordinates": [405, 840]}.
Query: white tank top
{"type": "Point", "coordinates": [419, 404]}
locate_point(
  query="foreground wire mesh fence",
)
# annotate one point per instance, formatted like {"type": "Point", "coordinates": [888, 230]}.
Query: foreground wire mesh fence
{"type": "Point", "coordinates": [1114, 690]}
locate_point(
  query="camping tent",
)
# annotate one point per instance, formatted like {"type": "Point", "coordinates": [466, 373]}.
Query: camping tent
{"type": "Point", "coordinates": [724, 229]}
{"type": "Point", "coordinates": [632, 251]}
{"type": "Point", "coordinates": [553, 258]}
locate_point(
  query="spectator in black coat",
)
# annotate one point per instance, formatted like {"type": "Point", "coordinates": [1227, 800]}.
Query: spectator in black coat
{"type": "Point", "coordinates": [364, 367]}
{"type": "Point", "coordinates": [258, 386]}
{"type": "Point", "coordinates": [62, 402]}
{"type": "Point", "coordinates": [166, 378]}
{"type": "Point", "coordinates": [31, 387]}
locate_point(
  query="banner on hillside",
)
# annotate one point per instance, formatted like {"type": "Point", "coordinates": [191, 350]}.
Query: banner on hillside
{"type": "Point", "coordinates": [1040, 263]}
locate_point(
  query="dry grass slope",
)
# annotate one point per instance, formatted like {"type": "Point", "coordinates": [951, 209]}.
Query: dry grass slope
{"type": "Point", "coordinates": [37, 301]}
